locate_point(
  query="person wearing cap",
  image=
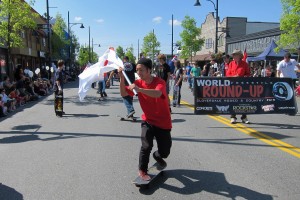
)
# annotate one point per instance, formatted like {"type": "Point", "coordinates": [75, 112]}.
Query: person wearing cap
{"type": "Point", "coordinates": [238, 68]}
{"type": "Point", "coordinates": [156, 117]}
{"type": "Point", "coordinates": [288, 67]}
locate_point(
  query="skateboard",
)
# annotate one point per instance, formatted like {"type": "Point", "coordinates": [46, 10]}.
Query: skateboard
{"type": "Point", "coordinates": [134, 119]}
{"type": "Point", "coordinates": [154, 172]}
{"type": "Point", "coordinates": [175, 94]}
{"type": "Point", "coordinates": [58, 104]}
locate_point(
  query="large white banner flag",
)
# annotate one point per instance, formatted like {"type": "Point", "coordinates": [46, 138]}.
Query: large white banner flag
{"type": "Point", "coordinates": [107, 62]}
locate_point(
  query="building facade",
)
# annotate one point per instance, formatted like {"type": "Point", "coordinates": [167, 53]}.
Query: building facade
{"type": "Point", "coordinates": [33, 53]}
{"type": "Point", "coordinates": [228, 28]}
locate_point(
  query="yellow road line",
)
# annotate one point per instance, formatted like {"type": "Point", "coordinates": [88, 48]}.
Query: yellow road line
{"type": "Point", "coordinates": [290, 149]}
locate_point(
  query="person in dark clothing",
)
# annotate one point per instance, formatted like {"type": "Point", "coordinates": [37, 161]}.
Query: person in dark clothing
{"type": "Point", "coordinates": [19, 73]}
{"type": "Point", "coordinates": [59, 85]}
{"type": "Point", "coordinates": [177, 83]}
{"type": "Point", "coordinates": [164, 72]}
{"type": "Point", "coordinates": [129, 69]}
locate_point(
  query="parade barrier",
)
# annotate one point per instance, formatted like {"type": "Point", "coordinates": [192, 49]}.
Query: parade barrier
{"type": "Point", "coordinates": [244, 95]}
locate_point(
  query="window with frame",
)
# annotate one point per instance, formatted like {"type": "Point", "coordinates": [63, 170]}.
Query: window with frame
{"type": "Point", "coordinates": [208, 43]}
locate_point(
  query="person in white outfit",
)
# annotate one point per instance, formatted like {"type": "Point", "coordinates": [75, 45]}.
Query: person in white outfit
{"type": "Point", "coordinates": [287, 68]}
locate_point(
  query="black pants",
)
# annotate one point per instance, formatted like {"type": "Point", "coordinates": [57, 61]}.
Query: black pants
{"type": "Point", "coordinates": [177, 102]}
{"type": "Point", "coordinates": [234, 116]}
{"type": "Point", "coordinates": [163, 139]}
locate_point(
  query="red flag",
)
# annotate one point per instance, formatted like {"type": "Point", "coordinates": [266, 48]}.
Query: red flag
{"type": "Point", "coordinates": [245, 55]}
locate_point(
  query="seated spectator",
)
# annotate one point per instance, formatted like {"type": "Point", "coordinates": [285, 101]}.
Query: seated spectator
{"type": "Point", "coordinates": [39, 88]}
{"type": "Point", "coordinates": [20, 101]}
{"type": "Point", "coordinates": [20, 86]}
{"type": "Point", "coordinates": [48, 85]}
{"type": "Point", "coordinates": [3, 108]}
{"type": "Point", "coordinates": [30, 90]}
{"type": "Point", "coordinates": [10, 103]}
{"type": "Point", "coordinates": [7, 84]}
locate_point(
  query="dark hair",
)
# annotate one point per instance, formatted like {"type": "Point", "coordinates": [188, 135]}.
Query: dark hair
{"type": "Point", "coordinates": [226, 56]}
{"type": "Point", "coordinates": [287, 55]}
{"type": "Point", "coordinates": [178, 63]}
{"type": "Point", "coordinates": [126, 58]}
{"type": "Point", "coordinates": [146, 62]}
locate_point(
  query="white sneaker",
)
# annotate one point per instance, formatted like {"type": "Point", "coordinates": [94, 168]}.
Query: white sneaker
{"type": "Point", "coordinates": [245, 120]}
{"type": "Point", "coordinates": [233, 120]}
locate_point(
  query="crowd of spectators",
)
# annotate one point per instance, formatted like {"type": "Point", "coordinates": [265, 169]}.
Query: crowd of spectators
{"type": "Point", "coordinates": [22, 90]}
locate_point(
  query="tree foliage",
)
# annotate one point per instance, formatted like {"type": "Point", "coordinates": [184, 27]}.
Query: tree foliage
{"type": "Point", "coordinates": [120, 52]}
{"type": "Point", "coordinates": [75, 46]}
{"type": "Point", "coordinates": [59, 39]}
{"type": "Point", "coordinates": [290, 25]}
{"type": "Point", "coordinates": [129, 53]}
{"type": "Point", "coordinates": [16, 17]}
{"type": "Point", "coordinates": [150, 44]}
{"type": "Point", "coordinates": [190, 41]}
{"type": "Point", "coordinates": [83, 55]}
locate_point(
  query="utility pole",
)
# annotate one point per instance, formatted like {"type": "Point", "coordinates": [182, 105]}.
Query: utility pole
{"type": "Point", "coordinates": [153, 49]}
{"type": "Point", "coordinates": [49, 33]}
{"type": "Point", "coordinates": [70, 40]}
{"type": "Point", "coordinates": [172, 40]}
{"type": "Point", "coordinates": [89, 45]}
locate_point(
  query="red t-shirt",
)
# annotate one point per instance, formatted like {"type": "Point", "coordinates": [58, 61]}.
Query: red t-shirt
{"type": "Point", "coordinates": [242, 69]}
{"type": "Point", "coordinates": [156, 110]}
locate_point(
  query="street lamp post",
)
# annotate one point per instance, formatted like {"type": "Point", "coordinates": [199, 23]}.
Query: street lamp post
{"type": "Point", "coordinates": [49, 33]}
{"type": "Point", "coordinates": [216, 7]}
{"type": "Point", "coordinates": [172, 39]}
{"type": "Point", "coordinates": [69, 34]}
{"type": "Point", "coordinates": [93, 47]}
{"type": "Point", "coordinates": [89, 45]}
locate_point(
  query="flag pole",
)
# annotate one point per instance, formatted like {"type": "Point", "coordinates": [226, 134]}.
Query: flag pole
{"type": "Point", "coordinates": [129, 82]}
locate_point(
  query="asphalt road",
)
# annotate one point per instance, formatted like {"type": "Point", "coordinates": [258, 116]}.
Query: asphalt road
{"type": "Point", "coordinates": [90, 154]}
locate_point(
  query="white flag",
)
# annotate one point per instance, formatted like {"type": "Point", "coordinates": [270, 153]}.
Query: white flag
{"type": "Point", "coordinates": [107, 62]}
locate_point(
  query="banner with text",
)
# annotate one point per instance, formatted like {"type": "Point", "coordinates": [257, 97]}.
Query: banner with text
{"type": "Point", "coordinates": [244, 95]}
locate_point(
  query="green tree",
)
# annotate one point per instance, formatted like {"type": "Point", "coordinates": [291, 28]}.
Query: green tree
{"type": "Point", "coordinates": [83, 55]}
{"type": "Point", "coordinates": [190, 41]}
{"type": "Point", "coordinates": [290, 25]}
{"type": "Point", "coordinates": [75, 46]}
{"type": "Point", "coordinates": [150, 45]}
{"type": "Point", "coordinates": [59, 39]}
{"type": "Point", "coordinates": [129, 53]}
{"type": "Point", "coordinates": [120, 52]}
{"type": "Point", "coordinates": [16, 17]}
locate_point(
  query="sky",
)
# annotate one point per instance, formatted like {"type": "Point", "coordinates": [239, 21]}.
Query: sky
{"type": "Point", "coordinates": [126, 22]}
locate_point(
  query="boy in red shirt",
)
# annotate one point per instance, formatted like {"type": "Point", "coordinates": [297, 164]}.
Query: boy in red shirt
{"type": "Point", "coordinates": [156, 118]}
